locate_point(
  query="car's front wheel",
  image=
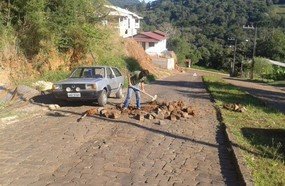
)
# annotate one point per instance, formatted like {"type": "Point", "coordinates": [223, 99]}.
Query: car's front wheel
{"type": "Point", "coordinates": [119, 93]}
{"type": "Point", "coordinates": [102, 100]}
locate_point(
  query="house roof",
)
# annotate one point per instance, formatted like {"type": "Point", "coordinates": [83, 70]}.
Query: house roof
{"type": "Point", "coordinates": [150, 36]}
{"type": "Point", "coordinates": [117, 11]}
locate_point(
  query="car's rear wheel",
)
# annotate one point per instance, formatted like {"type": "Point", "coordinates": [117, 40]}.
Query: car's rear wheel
{"type": "Point", "coordinates": [102, 100]}
{"type": "Point", "coordinates": [119, 93]}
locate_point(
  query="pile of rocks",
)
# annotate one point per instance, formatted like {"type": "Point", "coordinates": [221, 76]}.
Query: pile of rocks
{"type": "Point", "coordinates": [173, 111]}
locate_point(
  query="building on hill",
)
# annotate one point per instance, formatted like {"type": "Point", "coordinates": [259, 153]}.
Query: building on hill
{"type": "Point", "coordinates": [154, 44]}
{"type": "Point", "coordinates": [127, 22]}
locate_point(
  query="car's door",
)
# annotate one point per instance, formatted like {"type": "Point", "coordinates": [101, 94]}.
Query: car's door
{"type": "Point", "coordinates": [119, 76]}
{"type": "Point", "coordinates": [112, 81]}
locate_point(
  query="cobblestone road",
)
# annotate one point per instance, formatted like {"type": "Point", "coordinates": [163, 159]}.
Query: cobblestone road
{"type": "Point", "coordinates": [53, 149]}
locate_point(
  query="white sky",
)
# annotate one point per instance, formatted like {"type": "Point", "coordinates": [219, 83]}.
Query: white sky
{"type": "Point", "coordinates": [147, 0]}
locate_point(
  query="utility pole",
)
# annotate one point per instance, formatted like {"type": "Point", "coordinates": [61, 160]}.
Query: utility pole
{"type": "Point", "coordinates": [254, 47]}
{"type": "Point", "coordinates": [234, 60]}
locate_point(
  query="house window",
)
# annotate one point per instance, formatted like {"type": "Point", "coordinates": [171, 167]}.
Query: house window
{"type": "Point", "coordinates": [151, 44]}
{"type": "Point", "coordinates": [137, 20]}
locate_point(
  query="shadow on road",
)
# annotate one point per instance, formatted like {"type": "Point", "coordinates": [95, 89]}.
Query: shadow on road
{"type": "Point", "coordinates": [47, 99]}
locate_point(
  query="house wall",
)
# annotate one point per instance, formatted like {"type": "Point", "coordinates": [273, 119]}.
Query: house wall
{"type": "Point", "coordinates": [128, 26]}
{"type": "Point", "coordinates": [157, 49]}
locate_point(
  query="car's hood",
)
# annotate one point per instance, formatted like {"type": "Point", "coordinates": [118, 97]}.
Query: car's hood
{"type": "Point", "coordinates": [79, 81]}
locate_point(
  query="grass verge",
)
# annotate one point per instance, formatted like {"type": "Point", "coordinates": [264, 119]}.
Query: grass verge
{"type": "Point", "coordinates": [259, 132]}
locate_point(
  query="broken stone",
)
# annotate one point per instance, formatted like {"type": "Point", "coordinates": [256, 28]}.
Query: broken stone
{"type": "Point", "coordinates": [160, 122]}
{"type": "Point", "coordinates": [166, 115]}
{"type": "Point", "coordinates": [115, 115]}
{"type": "Point", "coordinates": [190, 111]}
{"type": "Point", "coordinates": [160, 116]}
{"type": "Point", "coordinates": [139, 117]}
{"type": "Point", "coordinates": [170, 108]}
{"type": "Point", "coordinates": [157, 110]}
{"type": "Point", "coordinates": [103, 112]}
{"type": "Point", "coordinates": [184, 115]}
{"type": "Point", "coordinates": [172, 117]}
{"type": "Point", "coordinates": [149, 116]}
{"type": "Point", "coordinates": [53, 107]}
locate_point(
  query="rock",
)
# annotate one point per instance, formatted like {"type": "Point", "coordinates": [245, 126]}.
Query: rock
{"type": "Point", "coordinates": [139, 117]}
{"type": "Point", "coordinates": [160, 122]}
{"type": "Point", "coordinates": [170, 108]}
{"type": "Point", "coordinates": [172, 117]}
{"type": "Point", "coordinates": [166, 115]}
{"type": "Point", "coordinates": [103, 112]}
{"type": "Point", "coordinates": [157, 110]}
{"type": "Point", "coordinates": [115, 114]}
{"type": "Point", "coordinates": [149, 116]}
{"type": "Point", "coordinates": [160, 116]}
{"type": "Point", "coordinates": [184, 115]}
{"type": "Point", "coordinates": [190, 111]}
{"type": "Point", "coordinates": [53, 107]}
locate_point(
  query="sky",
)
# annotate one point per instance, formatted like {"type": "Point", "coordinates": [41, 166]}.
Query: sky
{"type": "Point", "coordinates": [148, 1]}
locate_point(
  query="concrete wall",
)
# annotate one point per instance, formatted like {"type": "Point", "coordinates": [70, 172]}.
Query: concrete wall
{"type": "Point", "coordinates": [164, 63]}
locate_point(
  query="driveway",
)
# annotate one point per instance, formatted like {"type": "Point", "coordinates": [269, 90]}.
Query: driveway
{"type": "Point", "coordinates": [51, 148]}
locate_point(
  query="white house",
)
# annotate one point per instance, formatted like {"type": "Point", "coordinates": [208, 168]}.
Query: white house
{"type": "Point", "coordinates": [127, 22]}
{"type": "Point", "coordinates": [154, 43]}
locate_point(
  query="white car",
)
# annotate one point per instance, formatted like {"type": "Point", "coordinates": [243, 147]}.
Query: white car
{"type": "Point", "coordinates": [90, 83]}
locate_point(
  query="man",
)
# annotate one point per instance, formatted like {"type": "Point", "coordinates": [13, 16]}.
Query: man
{"type": "Point", "coordinates": [136, 83]}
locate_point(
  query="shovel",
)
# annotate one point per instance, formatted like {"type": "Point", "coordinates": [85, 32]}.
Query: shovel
{"type": "Point", "coordinates": [153, 98]}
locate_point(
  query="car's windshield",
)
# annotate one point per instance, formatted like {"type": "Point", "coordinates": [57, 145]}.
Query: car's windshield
{"type": "Point", "coordinates": [90, 72]}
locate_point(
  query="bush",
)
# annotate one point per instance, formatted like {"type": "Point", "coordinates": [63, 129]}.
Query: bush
{"type": "Point", "coordinates": [262, 68]}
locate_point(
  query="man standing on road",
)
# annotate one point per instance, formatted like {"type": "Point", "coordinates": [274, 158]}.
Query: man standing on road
{"type": "Point", "coordinates": [136, 83]}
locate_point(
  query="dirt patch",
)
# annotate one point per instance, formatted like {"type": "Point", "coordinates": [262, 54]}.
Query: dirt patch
{"type": "Point", "coordinates": [135, 50]}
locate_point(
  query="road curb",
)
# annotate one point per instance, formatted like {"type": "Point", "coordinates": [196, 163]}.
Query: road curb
{"type": "Point", "coordinates": [245, 177]}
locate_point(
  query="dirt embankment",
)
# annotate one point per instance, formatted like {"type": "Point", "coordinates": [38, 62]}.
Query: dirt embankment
{"type": "Point", "coordinates": [135, 50]}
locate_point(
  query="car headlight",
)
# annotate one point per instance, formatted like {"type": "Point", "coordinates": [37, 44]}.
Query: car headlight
{"type": "Point", "coordinates": [57, 87]}
{"type": "Point", "coordinates": [68, 89]}
{"type": "Point", "coordinates": [91, 86]}
{"type": "Point", "coordinates": [77, 89]}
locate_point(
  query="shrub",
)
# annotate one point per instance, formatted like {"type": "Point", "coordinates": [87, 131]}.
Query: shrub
{"type": "Point", "coordinates": [262, 68]}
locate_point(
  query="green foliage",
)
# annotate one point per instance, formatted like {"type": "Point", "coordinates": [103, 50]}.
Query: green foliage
{"type": "Point", "coordinates": [263, 68]}
{"type": "Point", "coordinates": [272, 45]}
{"type": "Point", "coordinates": [184, 50]}
{"type": "Point", "coordinates": [204, 27]}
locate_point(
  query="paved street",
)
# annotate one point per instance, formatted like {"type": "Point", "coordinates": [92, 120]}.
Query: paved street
{"type": "Point", "coordinates": [53, 149]}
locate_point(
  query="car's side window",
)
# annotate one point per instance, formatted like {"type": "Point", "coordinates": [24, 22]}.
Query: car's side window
{"type": "Point", "coordinates": [117, 72]}
{"type": "Point", "coordinates": [109, 73]}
